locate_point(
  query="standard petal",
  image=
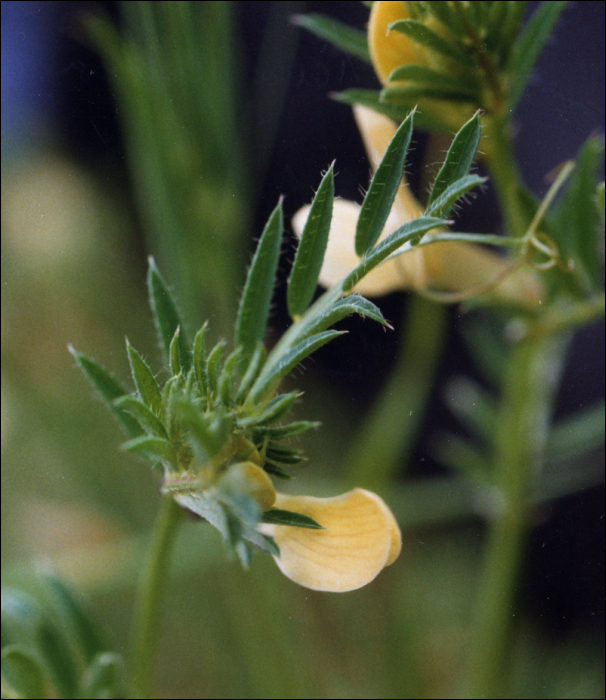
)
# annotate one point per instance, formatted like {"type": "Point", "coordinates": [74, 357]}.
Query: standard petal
{"type": "Point", "coordinates": [360, 538]}
{"type": "Point", "coordinates": [388, 51]}
{"type": "Point", "coordinates": [341, 258]}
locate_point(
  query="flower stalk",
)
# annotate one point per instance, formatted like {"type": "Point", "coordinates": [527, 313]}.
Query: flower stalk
{"type": "Point", "coordinates": [146, 616]}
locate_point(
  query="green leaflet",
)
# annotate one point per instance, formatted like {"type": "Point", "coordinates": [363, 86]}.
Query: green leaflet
{"type": "Point", "coordinates": [109, 389]}
{"type": "Point", "coordinates": [149, 421]}
{"type": "Point", "coordinates": [277, 471]}
{"type": "Point", "coordinates": [312, 247]}
{"type": "Point", "coordinates": [428, 77]}
{"type": "Point", "coordinates": [383, 187]}
{"type": "Point", "coordinates": [345, 38]}
{"type": "Point", "coordinates": [419, 32]}
{"type": "Point", "coordinates": [252, 372]}
{"type": "Point", "coordinates": [459, 157]}
{"type": "Point", "coordinates": [412, 230]}
{"type": "Point", "coordinates": [200, 360]}
{"type": "Point", "coordinates": [153, 448]}
{"type": "Point", "coordinates": [276, 516]}
{"type": "Point", "coordinates": [144, 380]}
{"type": "Point", "coordinates": [272, 374]}
{"type": "Point", "coordinates": [284, 455]}
{"type": "Point", "coordinates": [442, 205]}
{"type": "Point", "coordinates": [283, 432]}
{"type": "Point", "coordinates": [227, 378]}
{"type": "Point", "coordinates": [166, 315]}
{"type": "Point", "coordinates": [175, 353]}
{"type": "Point", "coordinates": [212, 366]}
{"type": "Point", "coordinates": [353, 304]}
{"type": "Point", "coordinates": [253, 313]}
{"type": "Point", "coordinates": [575, 436]}
{"type": "Point", "coordinates": [529, 46]}
{"type": "Point", "coordinates": [272, 411]}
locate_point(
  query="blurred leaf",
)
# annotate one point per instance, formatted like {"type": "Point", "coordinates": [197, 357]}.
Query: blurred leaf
{"type": "Point", "coordinates": [266, 383]}
{"type": "Point", "coordinates": [139, 410]}
{"type": "Point", "coordinates": [459, 157]}
{"type": "Point", "coordinates": [574, 437]}
{"type": "Point", "coordinates": [275, 516]}
{"type": "Point", "coordinates": [284, 455]}
{"type": "Point", "coordinates": [422, 34]}
{"type": "Point", "coordinates": [428, 77]}
{"type": "Point", "coordinates": [303, 278]}
{"type": "Point", "coordinates": [576, 218]}
{"type": "Point", "coordinates": [144, 380]}
{"type": "Point", "coordinates": [345, 38]}
{"type": "Point", "coordinates": [473, 407]}
{"type": "Point", "coordinates": [383, 187]}
{"type": "Point", "coordinates": [109, 389]}
{"type": "Point", "coordinates": [70, 611]}
{"type": "Point", "coordinates": [372, 99]}
{"type": "Point", "coordinates": [166, 315]}
{"type": "Point", "coordinates": [529, 46]}
{"type": "Point", "coordinates": [511, 26]}
{"type": "Point", "coordinates": [102, 680]}
{"type": "Point", "coordinates": [442, 205]}
{"type": "Point", "coordinates": [411, 93]}
{"type": "Point", "coordinates": [22, 674]}
{"type": "Point", "coordinates": [448, 17]}
{"type": "Point", "coordinates": [151, 447]}
{"type": "Point", "coordinates": [253, 313]}
{"type": "Point", "coordinates": [463, 458]}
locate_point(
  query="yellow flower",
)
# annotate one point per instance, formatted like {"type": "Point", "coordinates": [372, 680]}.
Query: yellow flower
{"type": "Point", "coordinates": [391, 49]}
{"type": "Point", "coordinates": [360, 536]}
{"type": "Point", "coordinates": [452, 267]}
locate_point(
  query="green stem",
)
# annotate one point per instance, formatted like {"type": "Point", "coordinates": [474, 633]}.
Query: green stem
{"type": "Point", "coordinates": [522, 426]}
{"type": "Point", "coordinates": [151, 587]}
{"type": "Point", "coordinates": [499, 158]}
{"type": "Point", "coordinates": [385, 440]}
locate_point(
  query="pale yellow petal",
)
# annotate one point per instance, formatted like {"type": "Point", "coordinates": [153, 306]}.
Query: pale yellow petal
{"type": "Point", "coordinates": [463, 267]}
{"type": "Point", "coordinates": [360, 538]}
{"type": "Point", "coordinates": [388, 51]}
{"type": "Point", "coordinates": [341, 257]}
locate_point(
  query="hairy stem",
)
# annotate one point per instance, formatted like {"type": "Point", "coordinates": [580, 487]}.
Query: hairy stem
{"type": "Point", "coordinates": [522, 427]}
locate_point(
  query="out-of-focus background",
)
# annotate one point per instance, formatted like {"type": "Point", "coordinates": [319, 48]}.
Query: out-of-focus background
{"type": "Point", "coordinates": [91, 188]}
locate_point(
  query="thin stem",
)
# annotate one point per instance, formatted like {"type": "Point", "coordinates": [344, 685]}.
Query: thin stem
{"type": "Point", "coordinates": [151, 587]}
{"type": "Point", "coordinates": [385, 440]}
{"type": "Point", "coordinates": [499, 158]}
{"type": "Point", "coordinates": [531, 379]}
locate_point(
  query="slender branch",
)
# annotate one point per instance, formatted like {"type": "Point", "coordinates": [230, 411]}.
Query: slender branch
{"type": "Point", "coordinates": [147, 606]}
{"type": "Point", "coordinates": [531, 379]}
